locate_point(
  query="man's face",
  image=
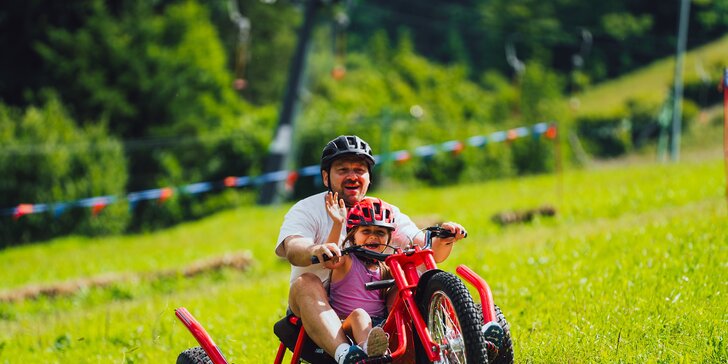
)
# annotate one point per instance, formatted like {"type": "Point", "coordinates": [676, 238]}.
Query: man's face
{"type": "Point", "coordinates": [350, 178]}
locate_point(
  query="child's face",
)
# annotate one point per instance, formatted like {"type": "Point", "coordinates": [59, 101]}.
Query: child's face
{"type": "Point", "coordinates": [371, 236]}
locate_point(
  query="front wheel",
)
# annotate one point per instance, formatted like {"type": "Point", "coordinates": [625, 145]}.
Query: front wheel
{"type": "Point", "coordinates": [453, 321]}
{"type": "Point", "coordinates": [196, 355]}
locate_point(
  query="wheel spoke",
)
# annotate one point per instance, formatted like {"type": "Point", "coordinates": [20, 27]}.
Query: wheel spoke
{"type": "Point", "coordinates": [453, 323]}
{"type": "Point", "coordinates": [445, 329]}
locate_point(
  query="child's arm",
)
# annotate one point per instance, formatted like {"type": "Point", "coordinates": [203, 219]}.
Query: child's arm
{"type": "Point", "coordinates": [441, 248]}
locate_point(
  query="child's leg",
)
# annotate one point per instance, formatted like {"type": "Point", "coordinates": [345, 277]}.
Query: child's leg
{"type": "Point", "coordinates": [358, 325]}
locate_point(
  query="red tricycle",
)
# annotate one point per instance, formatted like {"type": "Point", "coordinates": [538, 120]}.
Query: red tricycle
{"type": "Point", "coordinates": [433, 319]}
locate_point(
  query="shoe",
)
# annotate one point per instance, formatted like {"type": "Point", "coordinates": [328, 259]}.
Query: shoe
{"type": "Point", "coordinates": [354, 355]}
{"type": "Point", "coordinates": [377, 342]}
{"type": "Point", "coordinates": [493, 334]}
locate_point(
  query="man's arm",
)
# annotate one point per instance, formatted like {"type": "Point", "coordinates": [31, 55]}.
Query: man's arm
{"type": "Point", "coordinates": [299, 250]}
{"type": "Point", "coordinates": [441, 248]}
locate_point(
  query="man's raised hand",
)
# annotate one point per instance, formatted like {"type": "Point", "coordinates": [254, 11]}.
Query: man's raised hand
{"type": "Point", "coordinates": [335, 207]}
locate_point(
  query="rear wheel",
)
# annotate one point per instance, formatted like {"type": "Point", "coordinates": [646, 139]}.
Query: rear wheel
{"type": "Point", "coordinates": [452, 320]}
{"type": "Point", "coordinates": [196, 355]}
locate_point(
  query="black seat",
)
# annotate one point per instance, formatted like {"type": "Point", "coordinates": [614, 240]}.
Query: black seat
{"type": "Point", "coordinates": [288, 328]}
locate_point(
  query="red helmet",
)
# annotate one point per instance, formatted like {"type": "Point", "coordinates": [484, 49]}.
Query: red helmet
{"type": "Point", "coordinates": [370, 212]}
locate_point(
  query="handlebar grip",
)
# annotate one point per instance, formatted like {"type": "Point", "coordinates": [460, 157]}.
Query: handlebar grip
{"type": "Point", "coordinates": [445, 234]}
{"type": "Point", "coordinates": [439, 232]}
{"type": "Point", "coordinates": [373, 286]}
{"type": "Point", "coordinates": [315, 259]}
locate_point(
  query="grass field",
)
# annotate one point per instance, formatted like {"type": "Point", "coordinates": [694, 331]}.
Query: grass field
{"type": "Point", "coordinates": [633, 268]}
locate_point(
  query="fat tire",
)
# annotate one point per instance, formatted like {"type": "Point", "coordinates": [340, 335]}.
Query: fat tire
{"type": "Point", "coordinates": [196, 355]}
{"type": "Point", "coordinates": [505, 352]}
{"type": "Point", "coordinates": [465, 310]}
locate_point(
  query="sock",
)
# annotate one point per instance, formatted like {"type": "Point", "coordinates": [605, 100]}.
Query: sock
{"type": "Point", "coordinates": [364, 345]}
{"type": "Point", "coordinates": [341, 352]}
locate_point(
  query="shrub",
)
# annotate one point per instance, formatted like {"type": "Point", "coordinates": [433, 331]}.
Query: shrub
{"type": "Point", "coordinates": [46, 158]}
{"type": "Point", "coordinates": [491, 161]}
{"type": "Point", "coordinates": [605, 135]}
{"type": "Point", "coordinates": [441, 169]}
{"type": "Point", "coordinates": [533, 155]}
{"type": "Point", "coordinates": [645, 117]}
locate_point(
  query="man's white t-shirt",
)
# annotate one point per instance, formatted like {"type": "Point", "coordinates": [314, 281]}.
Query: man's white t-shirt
{"type": "Point", "coordinates": [308, 218]}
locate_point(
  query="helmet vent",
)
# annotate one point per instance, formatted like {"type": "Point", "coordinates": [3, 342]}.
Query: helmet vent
{"type": "Point", "coordinates": [346, 145]}
{"type": "Point", "coordinates": [370, 212]}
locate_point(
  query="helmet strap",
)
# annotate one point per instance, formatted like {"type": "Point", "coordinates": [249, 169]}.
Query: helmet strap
{"type": "Point", "coordinates": [328, 179]}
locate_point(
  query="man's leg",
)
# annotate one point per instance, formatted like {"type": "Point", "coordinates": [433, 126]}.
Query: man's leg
{"type": "Point", "coordinates": [309, 301]}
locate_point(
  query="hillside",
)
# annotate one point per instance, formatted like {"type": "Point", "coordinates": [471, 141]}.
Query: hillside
{"type": "Point", "coordinates": [655, 80]}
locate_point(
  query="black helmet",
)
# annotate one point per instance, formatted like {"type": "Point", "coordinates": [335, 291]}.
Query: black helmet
{"type": "Point", "coordinates": [346, 145]}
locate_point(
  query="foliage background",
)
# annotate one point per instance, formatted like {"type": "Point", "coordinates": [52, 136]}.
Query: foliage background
{"type": "Point", "coordinates": [155, 80]}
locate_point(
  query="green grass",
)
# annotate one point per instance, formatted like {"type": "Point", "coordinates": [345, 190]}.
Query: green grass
{"type": "Point", "coordinates": [231, 231]}
{"type": "Point", "coordinates": [632, 269]}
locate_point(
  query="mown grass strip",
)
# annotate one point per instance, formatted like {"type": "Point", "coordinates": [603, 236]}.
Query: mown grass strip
{"type": "Point", "coordinates": [238, 261]}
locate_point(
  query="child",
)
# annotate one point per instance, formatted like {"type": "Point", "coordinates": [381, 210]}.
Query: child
{"type": "Point", "coordinates": [369, 223]}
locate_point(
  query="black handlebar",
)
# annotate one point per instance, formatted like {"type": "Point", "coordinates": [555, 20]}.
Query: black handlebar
{"type": "Point", "coordinates": [315, 259]}
{"type": "Point", "coordinates": [358, 251]}
{"type": "Point", "coordinates": [376, 285]}
{"type": "Point", "coordinates": [440, 232]}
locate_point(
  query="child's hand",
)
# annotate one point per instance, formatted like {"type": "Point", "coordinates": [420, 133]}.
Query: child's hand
{"type": "Point", "coordinates": [334, 262]}
{"type": "Point", "coordinates": [335, 207]}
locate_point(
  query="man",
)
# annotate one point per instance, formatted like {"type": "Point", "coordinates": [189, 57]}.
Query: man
{"type": "Point", "coordinates": [346, 164]}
